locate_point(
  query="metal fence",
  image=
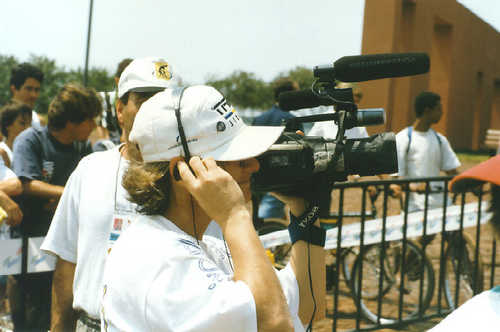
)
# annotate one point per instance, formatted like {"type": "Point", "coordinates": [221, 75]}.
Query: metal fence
{"type": "Point", "coordinates": [389, 267]}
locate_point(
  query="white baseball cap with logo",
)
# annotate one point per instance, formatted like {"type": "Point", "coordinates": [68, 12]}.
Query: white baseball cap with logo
{"type": "Point", "coordinates": [212, 127]}
{"type": "Point", "coordinates": [145, 75]}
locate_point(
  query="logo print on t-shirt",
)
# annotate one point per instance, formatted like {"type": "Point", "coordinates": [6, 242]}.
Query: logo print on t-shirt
{"type": "Point", "coordinates": [117, 224]}
{"type": "Point", "coordinates": [47, 170]}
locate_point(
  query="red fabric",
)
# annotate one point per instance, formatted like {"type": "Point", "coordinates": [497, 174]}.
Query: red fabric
{"type": "Point", "coordinates": [487, 171]}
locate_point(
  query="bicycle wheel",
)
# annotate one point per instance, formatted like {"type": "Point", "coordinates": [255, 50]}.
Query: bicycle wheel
{"type": "Point", "coordinates": [280, 253]}
{"type": "Point", "coordinates": [417, 266]}
{"type": "Point", "coordinates": [348, 257]}
{"type": "Point", "coordinates": [346, 260]}
{"type": "Point", "coordinates": [460, 265]}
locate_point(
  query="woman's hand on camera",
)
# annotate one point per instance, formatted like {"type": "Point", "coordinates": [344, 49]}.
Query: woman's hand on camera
{"type": "Point", "coordinates": [214, 189]}
{"type": "Point", "coordinates": [297, 205]}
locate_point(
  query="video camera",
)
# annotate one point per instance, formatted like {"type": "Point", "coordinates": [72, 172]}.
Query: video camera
{"type": "Point", "coordinates": [295, 163]}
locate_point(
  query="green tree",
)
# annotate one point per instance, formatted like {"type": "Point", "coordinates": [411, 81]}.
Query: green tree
{"type": "Point", "coordinates": [98, 78]}
{"type": "Point", "coordinates": [302, 75]}
{"type": "Point", "coordinates": [244, 90]}
{"type": "Point", "coordinates": [54, 78]}
{"type": "Point", "coordinates": [7, 62]}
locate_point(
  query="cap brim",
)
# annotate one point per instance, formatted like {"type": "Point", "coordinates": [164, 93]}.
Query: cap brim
{"type": "Point", "coordinates": [142, 89]}
{"type": "Point", "coordinates": [487, 171]}
{"type": "Point", "coordinates": [147, 89]}
{"type": "Point", "coordinates": [250, 142]}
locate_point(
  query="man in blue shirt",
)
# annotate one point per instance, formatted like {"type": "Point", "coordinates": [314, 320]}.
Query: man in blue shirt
{"type": "Point", "coordinates": [275, 115]}
{"type": "Point", "coordinates": [44, 158]}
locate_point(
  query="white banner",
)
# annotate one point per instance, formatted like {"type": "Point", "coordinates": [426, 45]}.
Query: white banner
{"type": "Point", "coordinates": [394, 227]}
{"type": "Point", "coordinates": [38, 261]}
{"type": "Point", "coordinates": [10, 256]}
{"type": "Point", "coordinates": [10, 250]}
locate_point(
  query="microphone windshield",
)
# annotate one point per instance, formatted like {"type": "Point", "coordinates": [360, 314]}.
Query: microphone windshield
{"type": "Point", "coordinates": [377, 66]}
{"type": "Point", "coordinates": [361, 68]}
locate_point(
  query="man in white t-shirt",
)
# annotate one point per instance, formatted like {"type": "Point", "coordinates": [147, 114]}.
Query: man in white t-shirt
{"type": "Point", "coordinates": [423, 152]}
{"type": "Point", "coordinates": [482, 312]}
{"type": "Point", "coordinates": [163, 274]}
{"type": "Point", "coordinates": [93, 209]}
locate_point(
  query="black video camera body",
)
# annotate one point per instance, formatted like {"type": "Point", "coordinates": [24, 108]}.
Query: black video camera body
{"type": "Point", "coordinates": [300, 165]}
{"type": "Point", "coordinates": [298, 162]}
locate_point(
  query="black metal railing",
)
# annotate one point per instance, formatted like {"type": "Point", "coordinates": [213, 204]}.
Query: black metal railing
{"type": "Point", "coordinates": [404, 269]}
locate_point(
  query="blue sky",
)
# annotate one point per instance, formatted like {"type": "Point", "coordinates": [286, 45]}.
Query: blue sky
{"type": "Point", "coordinates": [200, 38]}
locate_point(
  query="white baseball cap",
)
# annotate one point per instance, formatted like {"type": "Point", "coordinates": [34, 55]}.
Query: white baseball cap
{"type": "Point", "coordinates": [146, 74]}
{"type": "Point", "coordinates": [212, 127]}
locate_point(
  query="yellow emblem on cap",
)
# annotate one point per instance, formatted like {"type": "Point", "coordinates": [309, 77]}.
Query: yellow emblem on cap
{"type": "Point", "coordinates": [163, 71]}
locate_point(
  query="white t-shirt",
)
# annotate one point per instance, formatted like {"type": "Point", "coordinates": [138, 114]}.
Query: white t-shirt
{"type": "Point", "coordinates": [329, 129]}
{"type": "Point", "coordinates": [158, 279]}
{"type": "Point", "coordinates": [35, 120]}
{"type": "Point", "coordinates": [83, 226]}
{"type": "Point", "coordinates": [481, 313]}
{"type": "Point", "coordinates": [7, 150]}
{"type": "Point", "coordinates": [5, 174]}
{"type": "Point", "coordinates": [427, 157]}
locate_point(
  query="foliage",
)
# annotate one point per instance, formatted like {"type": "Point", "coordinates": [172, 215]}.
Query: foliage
{"type": "Point", "coordinates": [302, 75]}
{"type": "Point", "coordinates": [54, 78]}
{"type": "Point", "coordinates": [472, 157]}
{"type": "Point", "coordinates": [6, 63]}
{"type": "Point", "coordinates": [98, 78]}
{"type": "Point", "coordinates": [244, 90]}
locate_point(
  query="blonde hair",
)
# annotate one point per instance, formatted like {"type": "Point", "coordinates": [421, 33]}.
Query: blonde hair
{"type": "Point", "coordinates": [147, 184]}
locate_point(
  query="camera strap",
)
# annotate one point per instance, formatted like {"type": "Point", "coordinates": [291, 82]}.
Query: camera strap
{"type": "Point", "coordinates": [187, 154]}
{"type": "Point", "coordinates": [302, 227]}
{"type": "Point", "coordinates": [182, 135]}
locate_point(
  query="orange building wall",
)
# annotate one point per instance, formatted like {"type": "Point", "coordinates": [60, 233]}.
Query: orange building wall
{"type": "Point", "coordinates": [465, 66]}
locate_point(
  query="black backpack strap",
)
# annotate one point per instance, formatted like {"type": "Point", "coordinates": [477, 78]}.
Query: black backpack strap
{"type": "Point", "coordinates": [437, 137]}
{"type": "Point", "coordinates": [410, 131]}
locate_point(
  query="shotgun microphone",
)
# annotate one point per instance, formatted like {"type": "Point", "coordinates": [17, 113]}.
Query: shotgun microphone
{"type": "Point", "coordinates": [373, 66]}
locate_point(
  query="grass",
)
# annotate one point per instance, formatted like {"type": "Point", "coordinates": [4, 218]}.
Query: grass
{"type": "Point", "coordinates": [472, 157]}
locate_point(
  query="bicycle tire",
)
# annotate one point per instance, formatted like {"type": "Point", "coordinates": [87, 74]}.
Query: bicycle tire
{"type": "Point", "coordinates": [281, 253]}
{"type": "Point", "coordinates": [370, 262]}
{"type": "Point", "coordinates": [346, 260]}
{"type": "Point", "coordinates": [346, 257]}
{"type": "Point", "coordinates": [467, 279]}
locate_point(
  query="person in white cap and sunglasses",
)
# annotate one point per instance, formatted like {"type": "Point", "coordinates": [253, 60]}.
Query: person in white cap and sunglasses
{"type": "Point", "coordinates": [162, 274]}
{"type": "Point", "coordinates": [93, 209]}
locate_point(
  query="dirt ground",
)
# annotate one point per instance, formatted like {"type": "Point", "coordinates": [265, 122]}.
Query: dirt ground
{"type": "Point", "coordinates": [347, 314]}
